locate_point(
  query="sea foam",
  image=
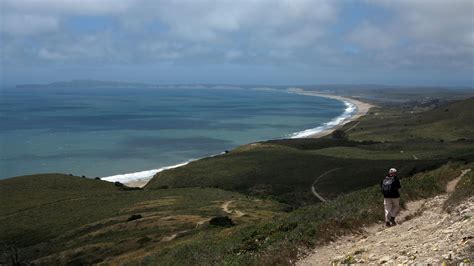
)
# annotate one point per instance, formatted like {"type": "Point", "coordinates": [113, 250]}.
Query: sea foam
{"type": "Point", "coordinates": [142, 175]}
{"type": "Point", "coordinates": [147, 174]}
{"type": "Point", "coordinates": [348, 113]}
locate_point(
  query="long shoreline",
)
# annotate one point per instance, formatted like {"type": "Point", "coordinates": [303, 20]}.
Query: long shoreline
{"type": "Point", "coordinates": [361, 109]}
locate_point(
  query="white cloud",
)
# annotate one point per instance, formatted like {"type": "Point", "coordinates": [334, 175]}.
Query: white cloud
{"type": "Point", "coordinates": [372, 36]}
{"type": "Point", "coordinates": [233, 54]}
{"type": "Point", "coordinates": [437, 20]}
{"type": "Point", "coordinates": [66, 7]}
{"type": "Point", "coordinates": [49, 55]}
{"type": "Point", "coordinates": [24, 24]}
{"type": "Point", "coordinates": [415, 33]}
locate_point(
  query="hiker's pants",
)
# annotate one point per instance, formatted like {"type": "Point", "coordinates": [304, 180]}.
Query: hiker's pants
{"type": "Point", "coordinates": [391, 207]}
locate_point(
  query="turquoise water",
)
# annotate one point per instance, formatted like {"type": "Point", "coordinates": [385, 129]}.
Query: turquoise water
{"type": "Point", "coordinates": [104, 132]}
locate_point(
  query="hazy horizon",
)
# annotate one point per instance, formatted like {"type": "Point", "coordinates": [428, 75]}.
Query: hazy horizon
{"type": "Point", "coordinates": [407, 43]}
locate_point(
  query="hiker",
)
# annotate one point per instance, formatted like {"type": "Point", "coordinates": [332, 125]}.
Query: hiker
{"type": "Point", "coordinates": [391, 202]}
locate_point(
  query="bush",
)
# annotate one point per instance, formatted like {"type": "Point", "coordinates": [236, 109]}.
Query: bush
{"type": "Point", "coordinates": [339, 134]}
{"type": "Point", "coordinates": [134, 217]}
{"type": "Point", "coordinates": [221, 221]}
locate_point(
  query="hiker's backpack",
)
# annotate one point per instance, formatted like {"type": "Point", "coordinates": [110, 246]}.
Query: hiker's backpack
{"type": "Point", "coordinates": [387, 186]}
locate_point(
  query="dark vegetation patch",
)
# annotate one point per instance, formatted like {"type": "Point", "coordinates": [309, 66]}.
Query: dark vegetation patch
{"type": "Point", "coordinates": [224, 221]}
{"type": "Point", "coordinates": [134, 217]}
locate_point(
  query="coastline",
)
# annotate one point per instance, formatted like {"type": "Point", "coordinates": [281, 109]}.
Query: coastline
{"type": "Point", "coordinates": [361, 108]}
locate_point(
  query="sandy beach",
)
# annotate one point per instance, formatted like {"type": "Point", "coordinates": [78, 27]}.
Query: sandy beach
{"type": "Point", "coordinates": [362, 109]}
{"type": "Point", "coordinates": [138, 183]}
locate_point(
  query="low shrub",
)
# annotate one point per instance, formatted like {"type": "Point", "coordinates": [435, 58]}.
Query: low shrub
{"type": "Point", "coordinates": [134, 217]}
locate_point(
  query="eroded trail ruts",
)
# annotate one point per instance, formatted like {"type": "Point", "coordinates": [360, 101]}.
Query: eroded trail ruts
{"type": "Point", "coordinates": [234, 213]}
{"type": "Point", "coordinates": [432, 237]}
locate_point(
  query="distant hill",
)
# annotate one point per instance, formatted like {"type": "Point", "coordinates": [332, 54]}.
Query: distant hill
{"type": "Point", "coordinates": [84, 83]}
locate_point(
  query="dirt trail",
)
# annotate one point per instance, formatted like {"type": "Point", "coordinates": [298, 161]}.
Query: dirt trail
{"type": "Point", "coordinates": [313, 188]}
{"type": "Point", "coordinates": [434, 236]}
{"type": "Point", "coordinates": [224, 207]}
{"type": "Point", "coordinates": [234, 213]}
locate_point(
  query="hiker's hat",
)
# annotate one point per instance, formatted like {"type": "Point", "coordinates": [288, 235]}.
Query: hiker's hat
{"type": "Point", "coordinates": [392, 171]}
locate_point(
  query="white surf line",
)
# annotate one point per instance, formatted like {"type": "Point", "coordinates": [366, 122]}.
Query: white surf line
{"type": "Point", "coordinates": [148, 174]}
{"type": "Point", "coordinates": [143, 175]}
{"type": "Point", "coordinates": [313, 189]}
{"type": "Point", "coordinates": [349, 112]}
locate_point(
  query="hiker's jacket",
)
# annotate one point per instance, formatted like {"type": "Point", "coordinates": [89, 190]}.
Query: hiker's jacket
{"type": "Point", "coordinates": [389, 187]}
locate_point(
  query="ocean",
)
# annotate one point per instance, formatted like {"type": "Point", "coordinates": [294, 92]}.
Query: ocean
{"type": "Point", "coordinates": [112, 132]}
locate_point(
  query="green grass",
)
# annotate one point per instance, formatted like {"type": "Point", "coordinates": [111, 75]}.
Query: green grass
{"type": "Point", "coordinates": [278, 241]}
{"type": "Point", "coordinates": [85, 220]}
{"type": "Point", "coordinates": [424, 150]}
{"type": "Point", "coordinates": [448, 123]}
{"type": "Point", "coordinates": [283, 172]}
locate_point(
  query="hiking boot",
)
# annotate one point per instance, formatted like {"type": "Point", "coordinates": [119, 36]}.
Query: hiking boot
{"type": "Point", "coordinates": [392, 221]}
{"type": "Point", "coordinates": [387, 224]}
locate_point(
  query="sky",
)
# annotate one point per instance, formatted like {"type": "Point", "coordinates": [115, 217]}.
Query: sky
{"type": "Point", "coordinates": [273, 42]}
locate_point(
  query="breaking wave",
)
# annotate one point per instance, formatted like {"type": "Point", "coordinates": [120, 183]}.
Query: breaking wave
{"type": "Point", "coordinates": [350, 110]}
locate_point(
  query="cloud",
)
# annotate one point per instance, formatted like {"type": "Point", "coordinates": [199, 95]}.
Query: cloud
{"type": "Point", "coordinates": [432, 34]}
{"type": "Point", "coordinates": [326, 35]}
{"type": "Point", "coordinates": [372, 36]}
{"type": "Point", "coordinates": [25, 24]}
{"type": "Point", "coordinates": [436, 20]}
{"type": "Point", "coordinates": [64, 7]}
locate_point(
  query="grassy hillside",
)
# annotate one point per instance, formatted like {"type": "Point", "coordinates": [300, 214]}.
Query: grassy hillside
{"type": "Point", "coordinates": [56, 218]}
{"type": "Point", "coordinates": [283, 172]}
{"type": "Point", "coordinates": [278, 242]}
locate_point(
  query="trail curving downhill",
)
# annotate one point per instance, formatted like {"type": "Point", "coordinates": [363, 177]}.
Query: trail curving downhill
{"type": "Point", "coordinates": [313, 189]}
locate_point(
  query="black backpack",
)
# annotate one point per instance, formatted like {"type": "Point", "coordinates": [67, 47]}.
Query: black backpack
{"type": "Point", "coordinates": [387, 186]}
